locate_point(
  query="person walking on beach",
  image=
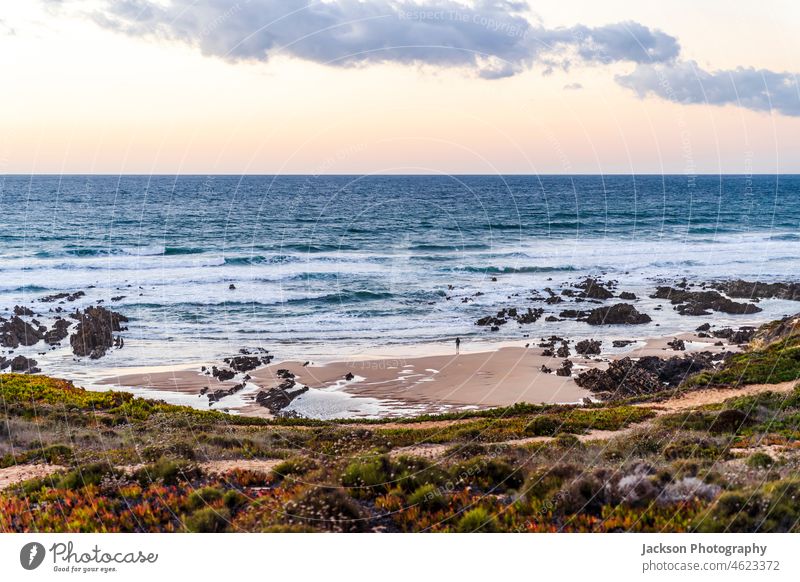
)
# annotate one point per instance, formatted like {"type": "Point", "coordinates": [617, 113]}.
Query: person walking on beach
{"type": "Point", "coordinates": [458, 344]}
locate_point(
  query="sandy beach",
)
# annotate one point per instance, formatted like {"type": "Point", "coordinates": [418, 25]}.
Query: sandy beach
{"type": "Point", "coordinates": [420, 383]}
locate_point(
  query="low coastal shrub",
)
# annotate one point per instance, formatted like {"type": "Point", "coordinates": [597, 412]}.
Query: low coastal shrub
{"type": "Point", "coordinates": [778, 362]}
{"type": "Point", "coordinates": [208, 520]}
{"type": "Point", "coordinates": [760, 460]}
{"type": "Point", "coordinates": [770, 508]}
{"type": "Point", "coordinates": [477, 520]}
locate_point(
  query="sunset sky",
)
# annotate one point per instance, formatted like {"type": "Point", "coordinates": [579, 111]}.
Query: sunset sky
{"type": "Point", "coordinates": [283, 86]}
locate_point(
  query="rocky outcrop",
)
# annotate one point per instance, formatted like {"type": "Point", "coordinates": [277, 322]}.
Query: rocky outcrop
{"type": "Point", "coordinates": [58, 332]}
{"type": "Point", "coordinates": [511, 314]}
{"type": "Point", "coordinates": [94, 334]}
{"type": "Point", "coordinates": [594, 289]}
{"type": "Point", "coordinates": [588, 347]}
{"type": "Point", "coordinates": [702, 302]}
{"type": "Point", "coordinates": [61, 297]}
{"type": "Point", "coordinates": [623, 378]}
{"type": "Point", "coordinates": [279, 397]}
{"type": "Point", "coordinates": [618, 314]}
{"type": "Point", "coordinates": [16, 332]}
{"type": "Point", "coordinates": [741, 289]}
{"type": "Point", "coordinates": [20, 364]}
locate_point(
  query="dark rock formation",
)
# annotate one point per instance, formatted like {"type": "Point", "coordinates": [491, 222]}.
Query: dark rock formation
{"type": "Point", "coordinates": [20, 364]}
{"type": "Point", "coordinates": [588, 347]}
{"type": "Point", "coordinates": [22, 310]}
{"type": "Point", "coordinates": [62, 296]}
{"type": "Point", "coordinates": [565, 369]}
{"type": "Point", "coordinates": [594, 289]}
{"type": "Point", "coordinates": [279, 397]}
{"type": "Point", "coordinates": [621, 343]}
{"type": "Point", "coordinates": [627, 296]}
{"type": "Point", "coordinates": [94, 334]}
{"type": "Point", "coordinates": [702, 302]}
{"type": "Point", "coordinates": [677, 344]}
{"type": "Point", "coordinates": [58, 333]}
{"type": "Point", "coordinates": [15, 332]}
{"type": "Point", "coordinates": [741, 289]}
{"type": "Point", "coordinates": [222, 374]}
{"type": "Point", "coordinates": [563, 350]}
{"type": "Point", "coordinates": [620, 313]}
{"type": "Point", "coordinates": [622, 378]}
{"type": "Point", "coordinates": [247, 363]}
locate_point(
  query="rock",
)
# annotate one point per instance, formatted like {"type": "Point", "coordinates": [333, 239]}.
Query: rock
{"type": "Point", "coordinates": [232, 287]}
{"type": "Point", "coordinates": [94, 334]}
{"type": "Point", "coordinates": [218, 395]}
{"type": "Point", "coordinates": [280, 396]}
{"type": "Point", "coordinates": [546, 370]}
{"type": "Point", "coordinates": [118, 298]}
{"type": "Point", "coordinates": [594, 289]}
{"type": "Point", "coordinates": [741, 289]}
{"type": "Point", "coordinates": [704, 327]}
{"type": "Point", "coordinates": [621, 343]}
{"type": "Point", "coordinates": [15, 332]}
{"type": "Point", "coordinates": [349, 376]}
{"type": "Point", "coordinates": [58, 333]}
{"type": "Point", "coordinates": [247, 363]}
{"type": "Point", "coordinates": [563, 350]}
{"type": "Point", "coordinates": [623, 378]}
{"type": "Point", "coordinates": [21, 310]}
{"type": "Point", "coordinates": [677, 344]}
{"type": "Point", "coordinates": [222, 374]}
{"type": "Point", "coordinates": [20, 364]}
{"type": "Point", "coordinates": [620, 313]}
{"type": "Point", "coordinates": [285, 374]}
{"type": "Point", "coordinates": [588, 347]}
{"type": "Point", "coordinates": [700, 302]}
{"type": "Point", "coordinates": [673, 371]}
{"type": "Point", "coordinates": [60, 296]}
{"type": "Point", "coordinates": [627, 296]}
{"type": "Point", "coordinates": [565, 369]}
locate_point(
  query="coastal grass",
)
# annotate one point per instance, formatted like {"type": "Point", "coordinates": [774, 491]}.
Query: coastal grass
{"type": "Point", "coordinates": [132, 465]}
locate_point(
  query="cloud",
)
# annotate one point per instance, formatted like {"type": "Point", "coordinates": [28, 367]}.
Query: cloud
{"type": "Point", "coordinates": [573, 86]}
{"type": "Point", "coordinates": [494, 38]}
{"type": "Point", "coordinates": [686, 82]}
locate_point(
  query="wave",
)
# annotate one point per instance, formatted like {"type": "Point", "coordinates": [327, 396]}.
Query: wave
{"type": "Point", "coordinates": [505, 270]}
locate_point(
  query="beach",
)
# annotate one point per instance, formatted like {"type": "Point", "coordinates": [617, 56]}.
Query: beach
{"type": "Point", "coordinates": [402, 385]}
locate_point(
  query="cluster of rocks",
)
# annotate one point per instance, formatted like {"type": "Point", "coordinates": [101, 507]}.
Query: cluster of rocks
{"type": "Point", "coordinates": [279, 397]}
{"type": "Point", "coordinates": [617, 314]}
{"type": "Point", "coordinates": [627, 377]}
{"type": "Point", "coordinates": [588, 347]}
{"type": "Point", "coordinates": [510, 314]}
{"type": "Point", "coordinates": [699, 303]}
{"type": "Point", "coordinates": [20, 364]}
{"type": "Point", "coordinates": [61, 297]}
{"type": "Point", "coordinates": [94, 334]}
{"type": "Point", "coordinates": [754, 290]}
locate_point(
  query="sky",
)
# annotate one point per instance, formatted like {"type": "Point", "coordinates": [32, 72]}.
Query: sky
{"type": "Point", "coordinates": [441, 87]}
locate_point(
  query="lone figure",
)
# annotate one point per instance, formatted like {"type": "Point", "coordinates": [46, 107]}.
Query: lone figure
{"type": "Point", "coordinates": [458, 344]}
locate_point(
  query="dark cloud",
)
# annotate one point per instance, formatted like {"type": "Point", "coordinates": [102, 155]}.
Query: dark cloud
{"type": "Point", "coordinates": [686, 82]}
{"type": "Point", "coordinates": [491, 37]}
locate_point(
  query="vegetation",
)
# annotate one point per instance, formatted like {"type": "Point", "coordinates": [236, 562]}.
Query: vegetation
{"type": "Point", "coordinates": [120, 463]}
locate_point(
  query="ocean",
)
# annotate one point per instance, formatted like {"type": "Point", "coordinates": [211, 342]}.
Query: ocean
{"type": "Point", "coordinates": [325, 266]}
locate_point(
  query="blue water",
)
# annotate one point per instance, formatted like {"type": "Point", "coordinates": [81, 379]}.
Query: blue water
{"type": "Point", "coordinates": [337, 263]}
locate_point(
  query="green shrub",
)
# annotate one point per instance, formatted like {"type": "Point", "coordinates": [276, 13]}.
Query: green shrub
{"type": "Point", "coordinates": [167, 471]}
{"type": "Point", "coordinates": [369, 475]}
{"type": "Point", "coordinates": [86, 475]}
{"type": "Point", "coordinates": [208, 520]}
{"type": "Point", "coordinates": [203, 497]}
{"type": "Point", "coordinates": [760, 460]}
{"type": "Point", "coordinates": [429, 498]}
{"type": "Point", "coordinates": [477, 520]}
{"type": "Point", "coordinates": [294, 467]}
